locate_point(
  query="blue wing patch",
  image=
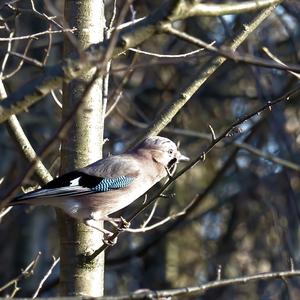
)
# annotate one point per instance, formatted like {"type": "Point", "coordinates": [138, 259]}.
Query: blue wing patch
{"type": "Point", "coordinates": [108, 184]}
{"type": "Point", "coordinates": [87, 184]}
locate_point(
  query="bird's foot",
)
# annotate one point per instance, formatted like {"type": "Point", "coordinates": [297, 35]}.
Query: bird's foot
{"type": "Point", "coordinates": [120, 223]}
{"type": "Point", "coordinates": [107, 235]}
{"type": "Point", "coordinates": [167, 196]}
{"type": "Point", "coordinates": [109, 240]}
{"type": "Point", "coordinates": [124, 224]}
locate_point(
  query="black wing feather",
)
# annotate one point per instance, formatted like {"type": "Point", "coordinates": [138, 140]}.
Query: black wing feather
{"type": "Point", "coordinates": [65, 180]}
{"type": "Point", "coordinates": [111, 173]}
{"type": "Point", "coordinates": [87, 184]}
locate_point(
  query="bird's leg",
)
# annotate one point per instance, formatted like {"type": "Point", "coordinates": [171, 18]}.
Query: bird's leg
{"type": "Point", "coordinates": [106, 233]}
{"type": "Point", "coordinates": [113, 221]}
{"type": "Point", "coordinates": [124, 224]}
{"type": "Point", "coordinates": [119, 223]}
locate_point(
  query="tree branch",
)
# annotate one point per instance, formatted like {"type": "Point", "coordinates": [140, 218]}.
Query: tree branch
{"type": "Point", "coordinates": [129, 37]}
{"type": "Point", "coordinates": [186, 9]}
{"type": "Point", "coordinates": [22, 141]}
{"type": "Point", "coordinates": [168, 114]}
{"type": "Point", "coordinates": [190, 291]}
{"type": "Point", "coordinates": [200, 157]}
{"type": "Point", "coordinates": [203, 288]}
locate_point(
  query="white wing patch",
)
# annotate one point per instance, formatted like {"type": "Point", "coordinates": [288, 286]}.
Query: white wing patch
{"type": "Point", "coordinates": [75, 182]}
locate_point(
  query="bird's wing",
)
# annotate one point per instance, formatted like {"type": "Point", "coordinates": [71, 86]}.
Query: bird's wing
{"type": "Point", "coordinates": [114, 166]}
{"type": "Point", "coordinates": [111, 173]}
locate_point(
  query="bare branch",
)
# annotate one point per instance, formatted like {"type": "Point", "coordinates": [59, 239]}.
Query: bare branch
{"type": "Point", "coordinates": [166, 55]}
{"type": "Point", "coordinates": [35, 35]}
{"type": "Point", "coordinates": [72, 68]}
{"type": "Point", "coordinates": [200, 157]}
{"type": "Point", "coordinates": [185, 132]}
{"type": "Point", "coordinates": [271, 55]}
{"type": "Point", "coordinates": [5, 212]}
{"type": "Point", "coordinates": [20, 137]}
{"type": "Point", "coordinates": [203, 288]}
{"type": "Point", "coordinates": [27, 272]}
{"type": "Point", "coordinates": [282, 162]}
{"type": "Point", "coordinates": [55, 262]}
{"type": "Point", "coordinates": [33, 61]}
{"type": "Point", "coordinates": [43, 15]}
{"type": "Point", "coordinates": [107, 35]}
{"type": "Point", "coordinates": [186, 9]}
{"type": "Point", "coordinates": [129, 37]}
{"type": "Point", "coordinates": [228, 52]}
{"type": "Point", "coordinates": [20, 64]}
{"type": "Point", "coordinates": [58, 102]}
{"type": "Point", "coordinates": [49, 46]}
{"type": "Point", "coordinates": [198, 290]}
{"type": "Point", "coordinates": [118, 92]}
{"type": "Point", "coordinates": [172, 217]}
{"type": "Point", "coordinates": [168, 114]}
{"type": "Point", "coordinates": [6, 56]}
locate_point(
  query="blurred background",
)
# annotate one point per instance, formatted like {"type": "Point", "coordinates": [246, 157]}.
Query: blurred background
{"type": "Point", "coordinates": [246, 219]}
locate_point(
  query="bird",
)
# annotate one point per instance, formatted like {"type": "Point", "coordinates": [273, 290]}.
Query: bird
{"type": "Point", "coordinates": [90, 194]}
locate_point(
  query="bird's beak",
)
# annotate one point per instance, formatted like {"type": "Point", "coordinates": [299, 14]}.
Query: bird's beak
{"type": "Point", "coordinates": [182, 157]}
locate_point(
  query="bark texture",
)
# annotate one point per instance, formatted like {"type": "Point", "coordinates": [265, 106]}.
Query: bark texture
{"type": "Point", "coordinates": [82, 145]}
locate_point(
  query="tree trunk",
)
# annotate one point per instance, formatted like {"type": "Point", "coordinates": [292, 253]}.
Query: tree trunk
{"type": "Point", "coordinates": [82, 146]}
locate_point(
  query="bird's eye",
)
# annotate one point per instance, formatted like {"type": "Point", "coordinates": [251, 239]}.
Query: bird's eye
{"type": "Point", "coordinates": [170, 151]}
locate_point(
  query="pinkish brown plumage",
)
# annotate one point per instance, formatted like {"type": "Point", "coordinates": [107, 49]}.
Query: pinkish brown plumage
{"type": "Point", "coordinates": [92, 193]}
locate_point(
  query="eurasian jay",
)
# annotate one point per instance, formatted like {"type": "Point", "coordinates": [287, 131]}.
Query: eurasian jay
{"type": "Point", "coordinates": [92, 193]}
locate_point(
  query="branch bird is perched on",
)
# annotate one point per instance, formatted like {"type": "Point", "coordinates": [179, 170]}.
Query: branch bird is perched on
{"type": "Point", "coordinates": [92, 193]}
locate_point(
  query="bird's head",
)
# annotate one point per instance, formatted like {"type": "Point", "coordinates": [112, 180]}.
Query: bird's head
{"type": "Point", "coordinates": [163, 151]}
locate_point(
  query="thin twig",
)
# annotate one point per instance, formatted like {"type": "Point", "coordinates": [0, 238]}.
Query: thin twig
{"type": "Point", "coordinates": [27, 272]}
{"type": "Point", "coordinates": [203, 288]}
{"type": "Point", "coordinates": [107, 35]}
{"type": "Point", "coordinates": [56, 99]}
{"type": "Point", "coordinates": [118, 92]}
{"type": "Point", "coordinates": [64, 127]}
{"type": "Point", "coordinates": [33, 61]}
{"type": "Point", "coordinates": [271, 55]}
{"type": "Point", "coordinates": [55, 262]}
{"type": "Point", "coordinates": [172, 217]}
{"type": "Point", "coordinates": [135, 34]}
{"type": "Point", "coordinates": [20, 64]}
{"type": "Point", "coordinates": [167, 55]}
{"type": "Point", "coordinates": [18, 134]}
{"type": "Point", "coordinates": [35, 35]}
{"type": "Point", "coordinates": [146, 222]}
{"type": "Point", "coordinates": [5, 212]}
{"type": "Point", "coordinates": [200, 157]}
{"type": "Point", "coordinates": [6, 56]}
{"type": "Point", "coordinates": [43, 15]}
{"type": "Point", "coordinates": [49, 46]}
{"type": "Point", "coordinates": [169, 112]}
{"type": "Point", "coordinates": [227, 51]}
{"type": "Point", "coordinates": [268, 156]}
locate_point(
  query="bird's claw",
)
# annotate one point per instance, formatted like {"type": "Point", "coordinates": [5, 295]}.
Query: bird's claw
{"type": "Point", "coordinates": [119, 223]}
{"type": "Point", "coordinates": [123, 224]}
{"type": "Point", "coordinates": [108, 240]}
{"type": "Point", "coordinates": [167, 196]}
